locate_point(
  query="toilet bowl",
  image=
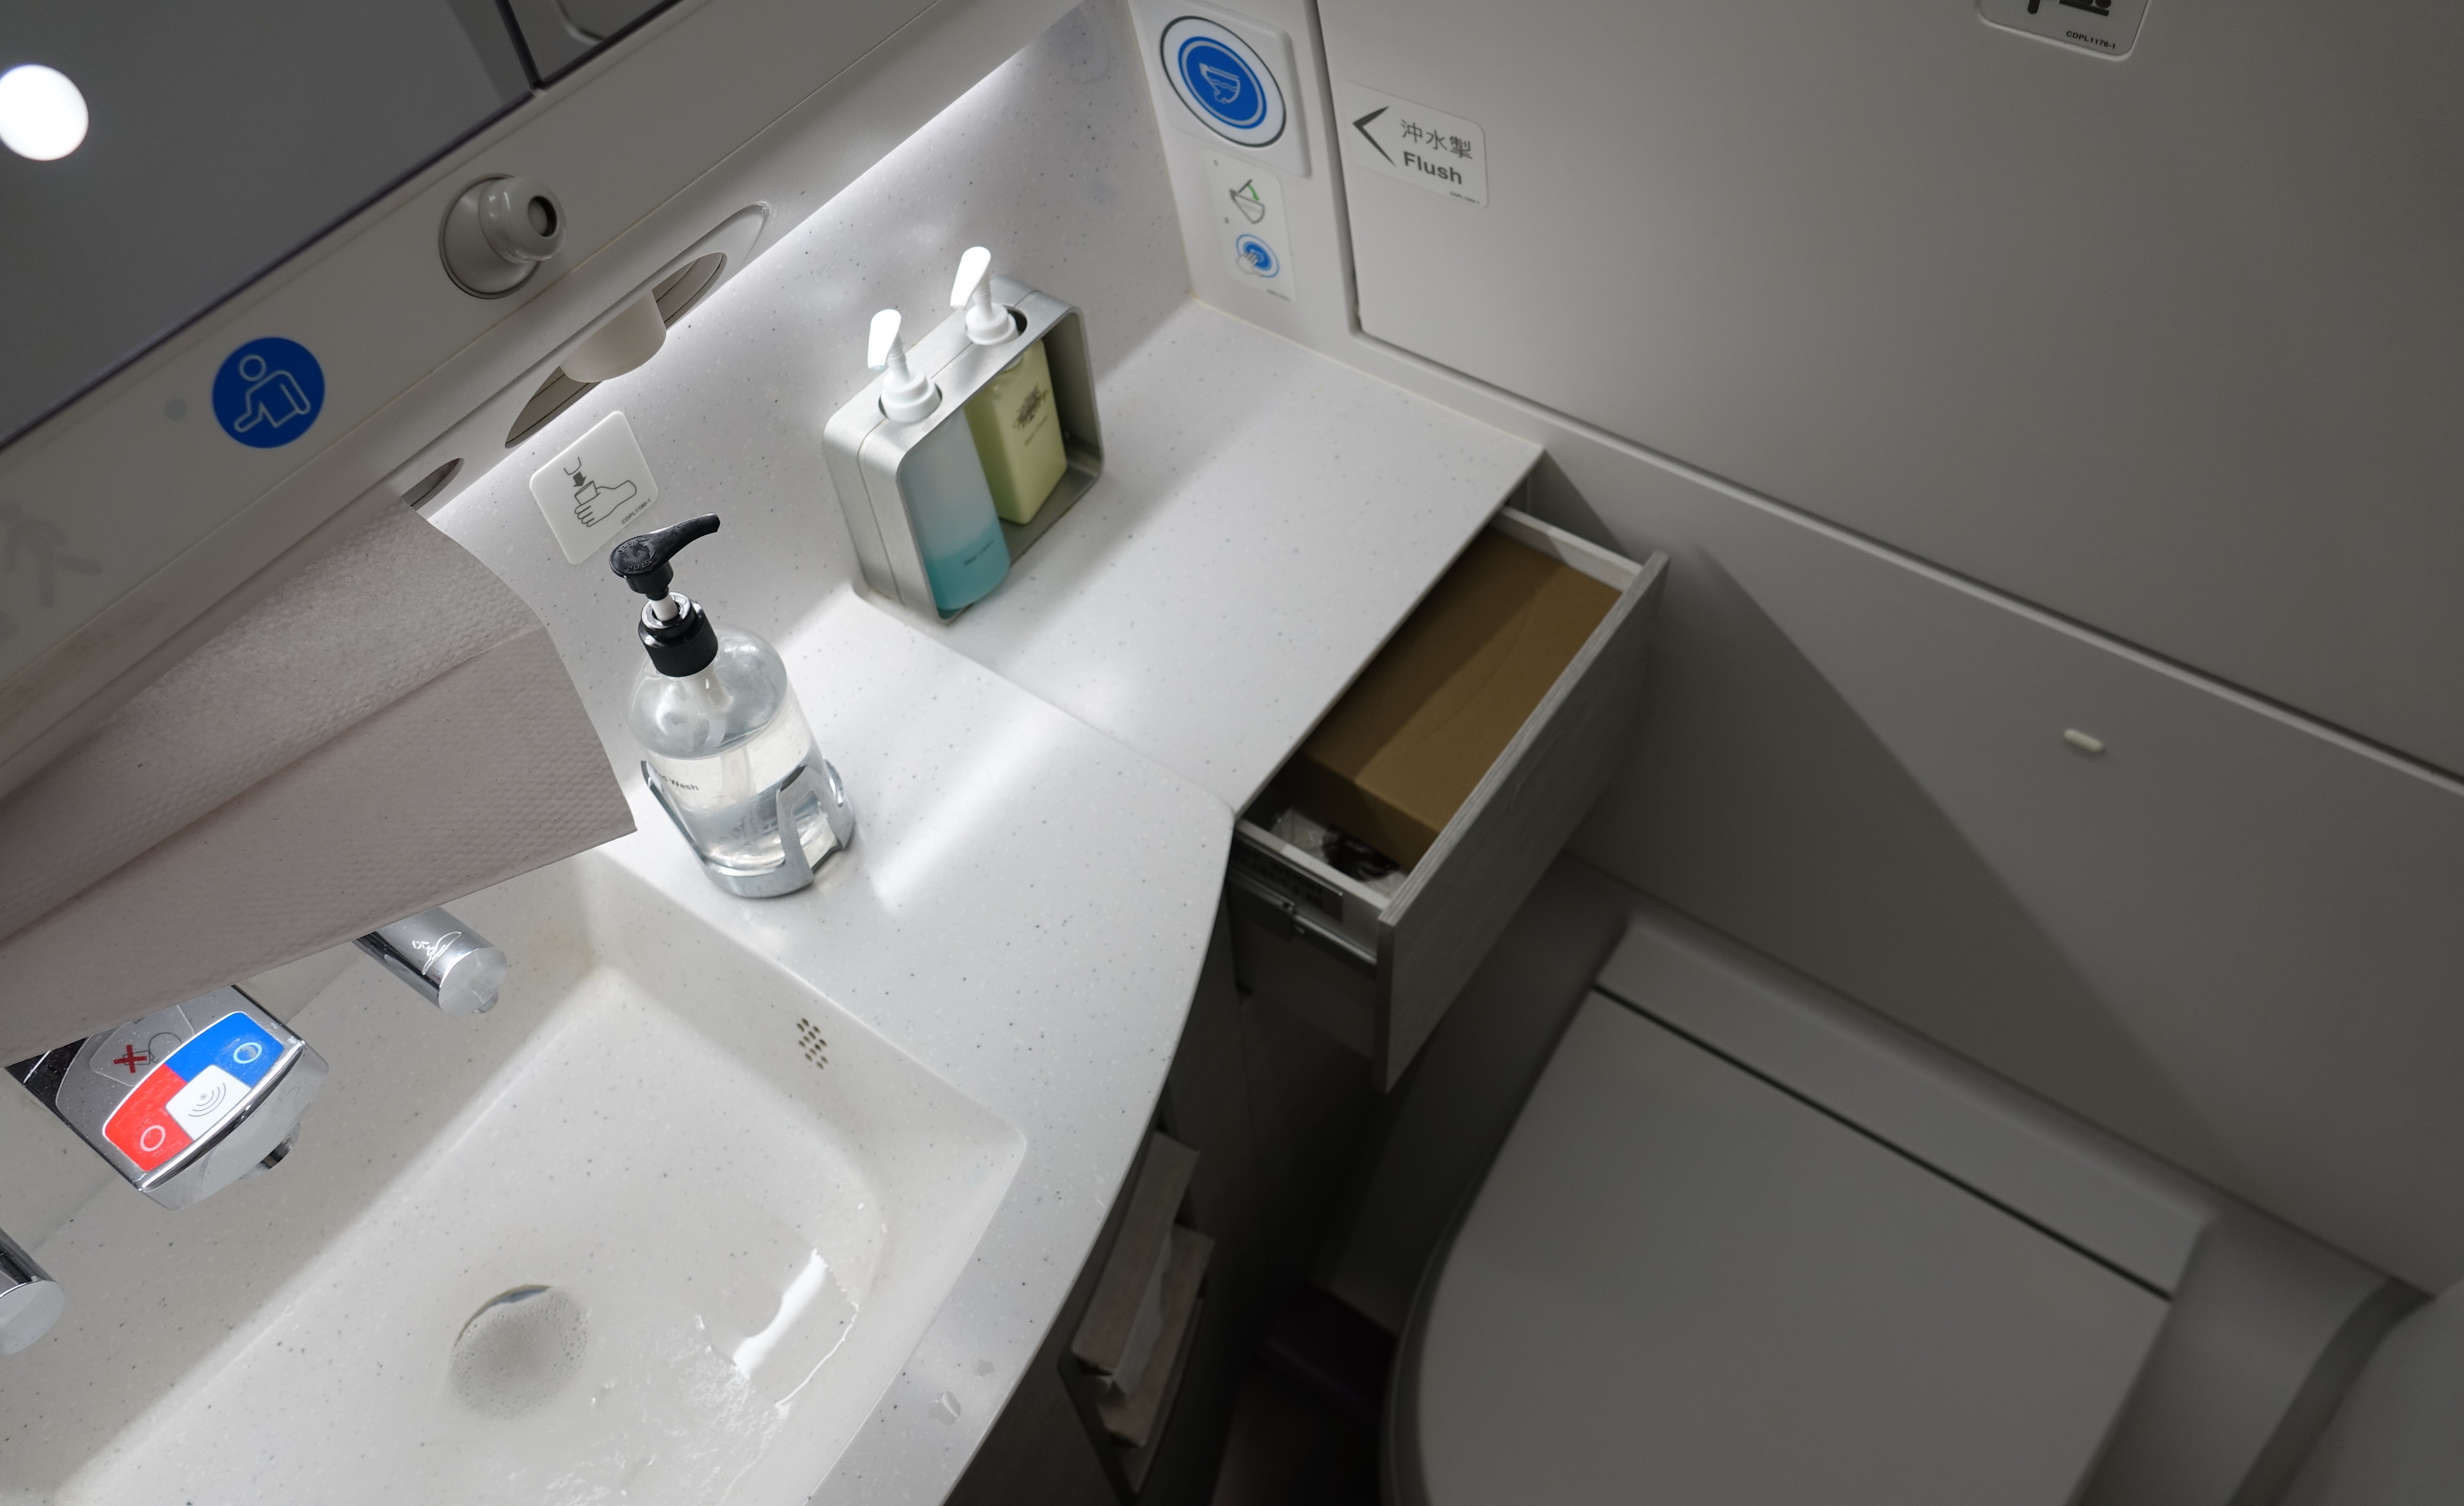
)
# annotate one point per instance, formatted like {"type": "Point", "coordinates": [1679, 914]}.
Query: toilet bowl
{"type": "Point", "coordinates": [1680, 1282]}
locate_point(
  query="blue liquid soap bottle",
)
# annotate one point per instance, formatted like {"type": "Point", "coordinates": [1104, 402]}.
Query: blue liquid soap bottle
{"type": "Point", "coordinates": [942, 481]}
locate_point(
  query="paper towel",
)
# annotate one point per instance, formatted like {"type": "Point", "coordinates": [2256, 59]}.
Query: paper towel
{"type": "Point", "coordinates": [389, 730]}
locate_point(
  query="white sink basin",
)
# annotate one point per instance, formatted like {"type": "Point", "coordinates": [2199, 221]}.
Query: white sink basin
{"type": "Point", "coordinates": [724, 1212]}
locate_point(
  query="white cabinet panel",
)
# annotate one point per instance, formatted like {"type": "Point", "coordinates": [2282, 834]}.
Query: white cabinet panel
{"type": "Point", "coordinates": [2173, 344]}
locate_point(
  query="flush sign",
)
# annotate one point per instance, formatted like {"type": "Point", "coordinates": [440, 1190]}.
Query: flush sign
{"type": "Point", "coordinates": [2106, 27]}
{"type": "Point", "coordinates": [1227, 74]}
{"type": "Point", "coordinates": [1427, 148]}
{"type": "Point", "coordinates": [1223, 81]}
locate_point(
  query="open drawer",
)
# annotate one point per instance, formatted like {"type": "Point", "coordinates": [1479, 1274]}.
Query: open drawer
{"type": "Point", "coordinates": [1375, 965]}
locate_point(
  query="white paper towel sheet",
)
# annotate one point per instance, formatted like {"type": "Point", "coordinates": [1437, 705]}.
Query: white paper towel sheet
{"type": "Point", "coordinates": [389, 730]}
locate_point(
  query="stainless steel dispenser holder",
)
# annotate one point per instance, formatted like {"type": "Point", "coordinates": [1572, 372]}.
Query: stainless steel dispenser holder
{"type": "Point", "coordinates": [866, 449]}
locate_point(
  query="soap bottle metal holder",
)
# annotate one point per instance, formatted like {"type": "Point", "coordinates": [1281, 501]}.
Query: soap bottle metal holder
{"type": "Point", "coordinates": [866, 449]}
{"type": "Point", "coordinates": [796, 867]}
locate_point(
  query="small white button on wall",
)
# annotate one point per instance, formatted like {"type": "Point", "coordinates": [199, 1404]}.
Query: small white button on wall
{"type": "Point", "coordinates": [2082, 741]}
{"type": "Point", "coordinates": [42, 113]}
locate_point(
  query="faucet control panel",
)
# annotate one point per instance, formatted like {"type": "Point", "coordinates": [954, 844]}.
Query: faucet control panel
{"type": "Point", "coordinates": [185, 1100]}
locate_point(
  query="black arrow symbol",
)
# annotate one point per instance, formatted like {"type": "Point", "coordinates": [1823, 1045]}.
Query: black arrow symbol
{"type": "Point", "coordinates": [1362, 126]}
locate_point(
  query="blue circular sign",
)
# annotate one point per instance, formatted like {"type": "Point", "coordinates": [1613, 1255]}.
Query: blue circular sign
{"type": "Point", "coordinates": [268, 392]}
{"type": "Point", "coordinates": [1223, 81]}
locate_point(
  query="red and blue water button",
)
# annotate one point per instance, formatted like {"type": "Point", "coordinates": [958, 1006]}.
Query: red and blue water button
{"type": "Point", "coordinates": [189, 1095]}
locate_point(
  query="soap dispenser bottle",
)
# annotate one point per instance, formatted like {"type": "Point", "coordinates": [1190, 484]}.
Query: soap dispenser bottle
{"type": "Point", "coordinates": [941, 481]}
{"type": "Point", "coordinates": [1016, 429]}
{"type": "Point", "coordinates": [730, 756]}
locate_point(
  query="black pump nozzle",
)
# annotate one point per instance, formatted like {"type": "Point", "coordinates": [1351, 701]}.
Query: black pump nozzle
{"type": "Point", "coordinates": [684, 643]}
{"type": "Point", "coordinates": [643, 558]}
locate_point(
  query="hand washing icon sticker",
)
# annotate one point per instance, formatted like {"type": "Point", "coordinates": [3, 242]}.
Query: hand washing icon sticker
{"type": "Point", "coordinates": [592, 501]}
{"type": "Point", "coordinates": [268, 392]}
{"type": "Point", "coordinates": [596, 486]}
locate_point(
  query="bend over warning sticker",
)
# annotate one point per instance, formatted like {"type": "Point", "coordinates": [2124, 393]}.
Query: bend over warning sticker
{"type": "Point", "coordinates": [1440, 152]}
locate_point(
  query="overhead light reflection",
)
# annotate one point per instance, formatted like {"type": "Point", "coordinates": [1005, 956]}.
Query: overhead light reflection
{"type": "Point", "coordinates": [42, 115]}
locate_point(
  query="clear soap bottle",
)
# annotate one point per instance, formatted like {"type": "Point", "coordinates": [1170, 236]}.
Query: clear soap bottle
{"type": "Point", "coordinates": [727, 750]}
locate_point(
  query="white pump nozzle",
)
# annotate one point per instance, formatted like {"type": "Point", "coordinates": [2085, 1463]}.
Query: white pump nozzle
{"type": "Point", "coordinates": [989, 323]}
{"type": "Point", "coordinates": [905, 396]}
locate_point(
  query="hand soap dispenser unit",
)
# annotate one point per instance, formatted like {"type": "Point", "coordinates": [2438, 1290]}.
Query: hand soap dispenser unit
{"type": "Point", "coordinates": [732, 760]}
{"type": "Point", "coordinates": [890, 446]}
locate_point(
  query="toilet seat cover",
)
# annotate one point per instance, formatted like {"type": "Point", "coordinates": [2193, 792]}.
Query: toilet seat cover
{"type": "Point", "coordinates": [1680, 1283]}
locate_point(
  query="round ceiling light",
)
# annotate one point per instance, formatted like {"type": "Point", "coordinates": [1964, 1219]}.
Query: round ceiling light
{"type": "Point", "coordinates": [42, 116]}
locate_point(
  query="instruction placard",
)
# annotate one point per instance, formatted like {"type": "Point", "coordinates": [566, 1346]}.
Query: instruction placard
{"type": "Point", "coordinates": [597, 487]}
{"type": "Point", "coordinates": [1249, 216]}
{"type": "Point", "coordinates": [2106, 27]}
{"type": "Point", "coordinates": [1440, 152]}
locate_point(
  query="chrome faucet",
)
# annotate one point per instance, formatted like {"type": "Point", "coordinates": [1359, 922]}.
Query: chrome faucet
{"type": "Point", "coordinates": [187, 1101]}
{"type": "Point", "coordinates": [30, 1301]}
{"type": "Point", "coordinates": [452, 966]}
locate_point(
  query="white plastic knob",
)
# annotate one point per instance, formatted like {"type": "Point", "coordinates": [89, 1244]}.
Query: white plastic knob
{"type": "Point", "coordinates": [623, 342]}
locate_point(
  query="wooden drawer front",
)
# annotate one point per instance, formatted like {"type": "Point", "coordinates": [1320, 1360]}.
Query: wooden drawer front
{"type": "Point", "coordinates": [1377, 974]}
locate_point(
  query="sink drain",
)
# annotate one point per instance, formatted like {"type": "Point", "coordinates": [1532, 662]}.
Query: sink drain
{"type": "Point", "coordinates": [517, 1351]}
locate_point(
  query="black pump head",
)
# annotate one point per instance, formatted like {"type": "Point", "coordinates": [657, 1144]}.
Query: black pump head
{"type": "Point", "coordinates": [683, 644]}
{"type": "Point", "coordinates": [643, 558]}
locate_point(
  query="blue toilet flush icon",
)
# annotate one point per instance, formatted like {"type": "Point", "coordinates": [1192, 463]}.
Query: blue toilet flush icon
{"type": "Point", "coordinates": [1256, 257]}
{"type": "Point", "coordinates": [1223, 81]}
{"type": "Point", "coordinates": [268, 392]}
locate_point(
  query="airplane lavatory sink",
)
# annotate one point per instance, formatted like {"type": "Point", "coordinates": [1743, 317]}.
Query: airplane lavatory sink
{"type": "Point", "coordinates": [662, 1228]}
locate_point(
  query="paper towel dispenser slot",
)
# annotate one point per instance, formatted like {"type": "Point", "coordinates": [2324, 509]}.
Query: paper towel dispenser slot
{"type": "Point", "coordinates": [1375, 960]}
{"type": "Point", "coordinates": [431, 484]}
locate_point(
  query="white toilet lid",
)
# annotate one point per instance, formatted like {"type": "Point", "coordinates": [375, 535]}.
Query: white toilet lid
{"type": "Point", "coordinates": [1680, 1283]}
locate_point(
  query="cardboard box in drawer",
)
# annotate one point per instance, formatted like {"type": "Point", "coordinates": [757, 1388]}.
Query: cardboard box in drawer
{"type": "Point", "coordinates": [1399, 755]}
